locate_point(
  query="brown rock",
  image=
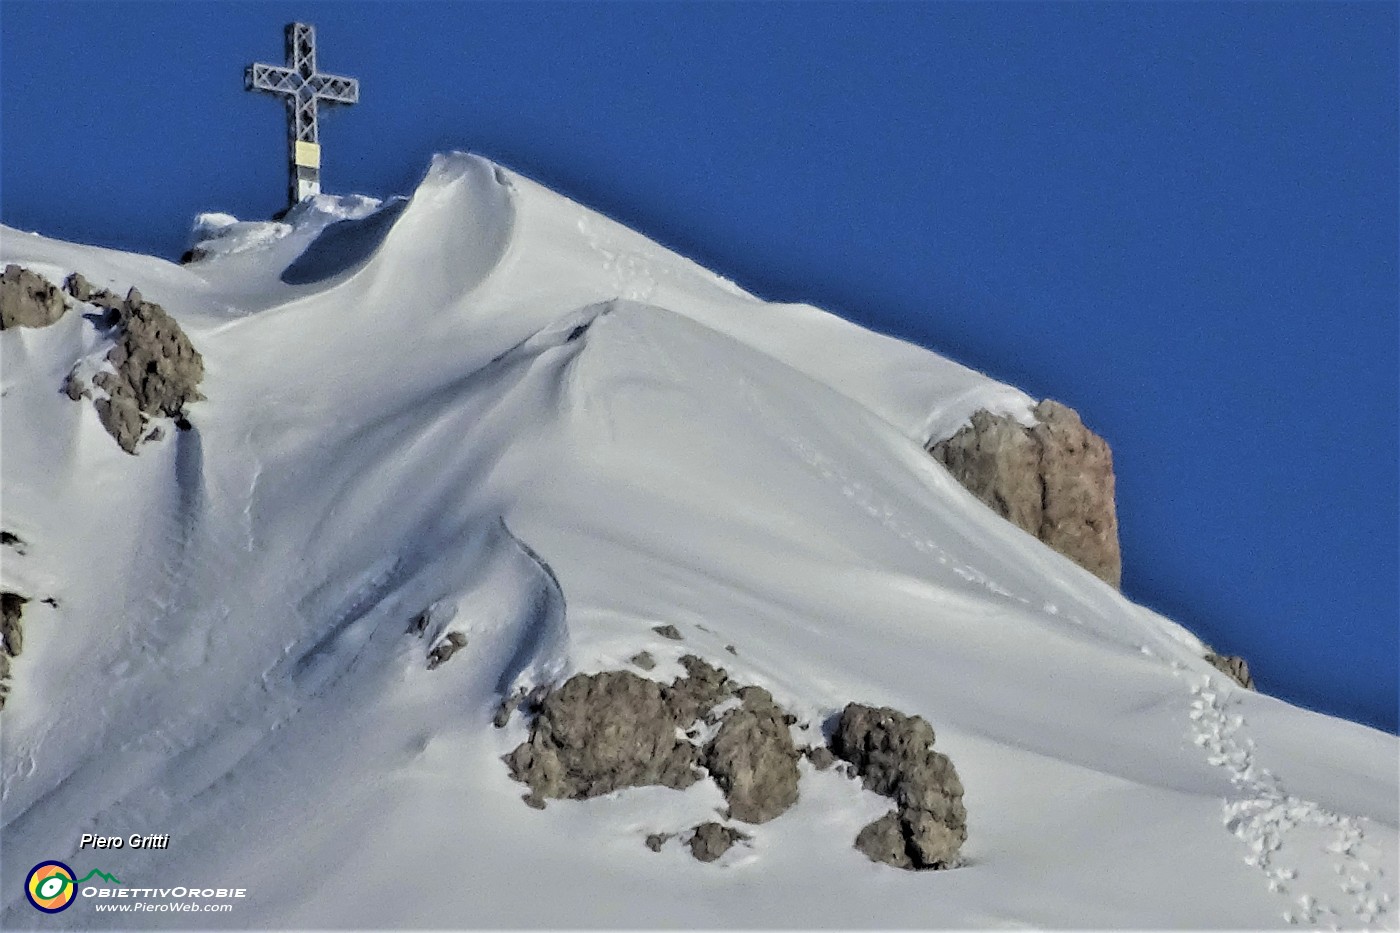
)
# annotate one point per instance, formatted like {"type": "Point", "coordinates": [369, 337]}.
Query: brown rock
{"type": "Point", "coordinates": [711, 840]}
{"type": "Point", "coordinates": [445, 649]}
{"type": "Point", "coordinates": [1233, 665]}
{"type": "Point", "coordinates": [1054, 480]}
{"type": "Point", "coordinates": [602, 732]}
{"type": "Point", "coordinates": [753, 759]}
{"type": "Point", "coordinates": [156, 373]}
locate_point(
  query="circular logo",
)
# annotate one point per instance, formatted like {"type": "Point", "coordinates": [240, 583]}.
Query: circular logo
{"type": "Point", "coordinates": [50, 887]}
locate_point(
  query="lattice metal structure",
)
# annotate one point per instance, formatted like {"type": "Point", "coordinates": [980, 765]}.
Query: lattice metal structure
{"type": "Point", "coordinates": [303, 89]}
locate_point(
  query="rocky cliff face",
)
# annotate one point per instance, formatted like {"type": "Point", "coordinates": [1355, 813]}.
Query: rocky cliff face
{"type": "Point", "coordinates": [1054, 480]}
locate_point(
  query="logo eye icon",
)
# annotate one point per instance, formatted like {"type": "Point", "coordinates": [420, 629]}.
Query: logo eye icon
{"type": "Point", "coordinates": [53, 886]}
{"type": "Point", "coordinates": [49, 887]}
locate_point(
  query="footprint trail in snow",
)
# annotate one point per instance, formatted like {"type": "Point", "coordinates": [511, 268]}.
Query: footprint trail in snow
{"type": "Point", "coordinates": [1276, 826]}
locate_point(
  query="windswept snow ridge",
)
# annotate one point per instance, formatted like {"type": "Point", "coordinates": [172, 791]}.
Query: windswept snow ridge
{"type": "Point", "coordinates": [485, 416]}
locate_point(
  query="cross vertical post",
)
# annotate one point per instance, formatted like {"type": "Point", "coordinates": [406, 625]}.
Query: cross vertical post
{"type": "Point", "coordinates": [303, 89]}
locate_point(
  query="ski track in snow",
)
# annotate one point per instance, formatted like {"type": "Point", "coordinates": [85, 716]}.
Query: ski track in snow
{"type": "Point", "coordinates": [1267, 819]}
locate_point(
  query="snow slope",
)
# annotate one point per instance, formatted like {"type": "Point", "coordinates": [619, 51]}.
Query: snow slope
{"type": "Point", "coordinates": [492, 404]}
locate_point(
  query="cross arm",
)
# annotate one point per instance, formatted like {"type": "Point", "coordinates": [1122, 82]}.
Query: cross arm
{"type": "Point", "coordinates": [334, 89]}
{"type": "Point", "coordinates": [274, 78]}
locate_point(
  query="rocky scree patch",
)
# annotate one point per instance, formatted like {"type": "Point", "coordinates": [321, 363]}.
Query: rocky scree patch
{"type": "Point", "coordinates": [155, 370]}
{"type": "Point", "coordinates": [600, 733]}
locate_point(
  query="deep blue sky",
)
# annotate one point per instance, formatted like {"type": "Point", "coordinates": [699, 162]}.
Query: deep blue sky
{"type": "Point", "coordinates": [1179, 218]}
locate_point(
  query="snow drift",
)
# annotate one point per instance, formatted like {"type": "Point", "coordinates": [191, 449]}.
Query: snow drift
{"type": "Point", "coordinates": [488, 411]}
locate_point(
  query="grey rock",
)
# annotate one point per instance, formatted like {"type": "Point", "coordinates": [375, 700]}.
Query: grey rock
{"type": "Point", "coordinates": [821, 757]}
{"type": "Point", "coordinates": [884, 841]}
{"type": "Point", "coordinates": [1233, 665]}
{"type": "Point", "coordinates": [10, 539]}
{"type": "Point", "coordinates": [28, 299]}
{"type": "Point", "coordinates": [11, 628]}
{"type": "Point", "coordinates": [732, 650]}
{"type": "Point", "coordinates": [1054, 480]}
{"type": "Point", "coordinates": [157, 372]}
{"type": "Point", "coordinates": [668, 631]}
{"type": "Point", "coordinates": [753, 760]}
{"type": "Point", "coordinates": [445, 649]}
{"type": "Point", "coordinates": [711, 840]}
{"type": "Point", "coordinates": [11, 637]}
{"type": "Point", "coordinates": [121, 416]}
{"type": "Point", "coordinates": [656, 840]}
{"type": "Point", "coordinates": [84, 291]}
{"type": "Point", "coordinates": [602, 732]}
{"type": "Point", "coordinates": [644, 660]}
{"type": "Point", "coordinates": [701, 689]}
{"type": "Point", "coordinates": [508, 706]}
{"type": "Point", "coordinates": [74, 387]}
{"type": "Point", "coordinates": [892, 753]}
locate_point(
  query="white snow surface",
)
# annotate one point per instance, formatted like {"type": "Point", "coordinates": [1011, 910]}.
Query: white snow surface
{"type": "Point", "coordinates": [491, 404]}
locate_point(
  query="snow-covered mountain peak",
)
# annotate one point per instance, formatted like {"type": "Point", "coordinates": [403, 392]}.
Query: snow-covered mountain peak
{"type": "Point", "coordinates": [488, 418]}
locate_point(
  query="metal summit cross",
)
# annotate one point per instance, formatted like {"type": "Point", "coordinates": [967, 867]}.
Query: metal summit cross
{"type": "Point", "coordinates": [304, 88]}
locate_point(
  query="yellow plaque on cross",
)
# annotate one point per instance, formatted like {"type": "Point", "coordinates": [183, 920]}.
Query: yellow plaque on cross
{"type": "Point", "coordinates": [308, 154]}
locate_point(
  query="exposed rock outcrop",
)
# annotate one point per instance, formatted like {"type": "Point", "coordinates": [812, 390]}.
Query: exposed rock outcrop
{"type": "Point", "coordinates": [701, 689]}
{"type": "Point", "coordinates": [711, 840]}
{"type": "Point", "coordinates": [599, 733]}
{"type": "Point", "coordinates": [11, 637]}
{"type": "Point", "coordinates": [155, 372]}
{"type": "Point", "coordinates": [444, 650]}
{"type": "Point", "coordinates": [893, 755]}
{"type": "Point", "coordinates": [27, 299]}
{"type": "Point", "coordinates": [1233, 665]}
{"type": "Point", "coordinates": [667, 631]}
{"type": "Point", "coordinates": [1054, 480]}
{"type": "Point", "coordinates": [753, 759]}
{"type": "Point", "coordinates": [84, 291]}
